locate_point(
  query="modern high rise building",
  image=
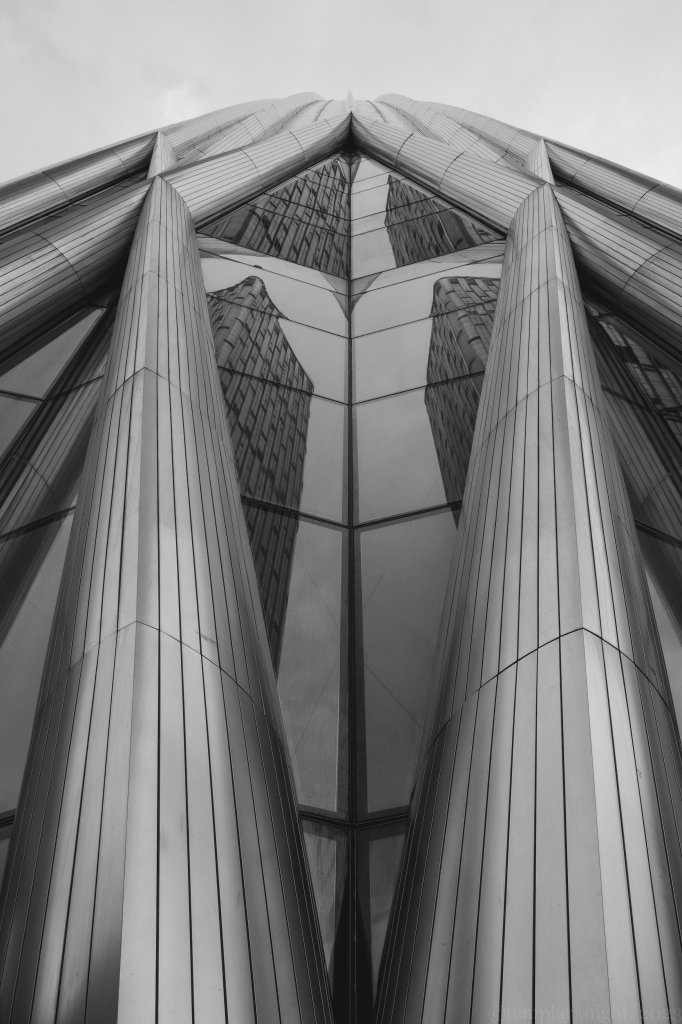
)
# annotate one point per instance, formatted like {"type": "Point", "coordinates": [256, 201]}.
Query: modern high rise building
{"type": "Point", "coordinates": [340, 576]}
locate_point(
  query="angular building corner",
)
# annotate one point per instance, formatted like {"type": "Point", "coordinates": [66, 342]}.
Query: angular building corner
{"type": "Point", "coordinates": [340, 560]}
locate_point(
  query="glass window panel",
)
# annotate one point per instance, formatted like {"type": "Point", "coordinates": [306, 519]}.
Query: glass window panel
{"type": "Point", "coordinates": [251, 338]}
{"type": "Point", "coordinates": [30, 573]}
{"type": "Point", "coordinates": [670, 635]}
{"type": "Point", "coordinates": [300, 567]}
{"type": "Point", "coordinates": [379, 308]}
{"type": "Point", "coordinates": [282, 268]}
{"type": "Point", "coordinates": [324, 357]}
{"type": "Point", "coordinates": [13, 414]}
{"type": "Point", "coordinates": [41, 472]}
{"type": "Point", "coordinates": [363, 171]}
{"type": "Point", "coordinates": [405, 569]}
{"type": "Point", "coordinates": [35, 374]}
{"type": "Point", "coordinates": [380, 854]}
{"type": "Point", "coordinates": [289, 446]}
{"type": "Point", "coordinates": [4, 850]}
{"type": "Point", "coordinates": [371, 253]}
{"type": "Point", "coordinates": [295, 300]}
{"type": "Point", "coordinates": [413, 448]}
{"type": "Point", "coordinates": [304, 239]}
{"type": "Point", "coordinates": [438, 348]}
{"type": "Point", "coordinates": [372, 222]}
{"type": "Point", "coordinates": [327, 850]}
{"type": "Point", "coordinates": [492, 253]}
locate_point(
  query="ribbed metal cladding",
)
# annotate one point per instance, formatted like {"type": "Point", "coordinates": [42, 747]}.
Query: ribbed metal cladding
{"type": "Point", "coordinates": [649, 200]}
{"type": "Point", "coordinates": [432, 123]}
{"type": "Point", "coordinates": [222, 183]}
{"type": "Point", "coordinates": [486, 189]}
{"type": "Point", "coordinates": [543, 872]}
{"type": "Point", "coordinates": [53, 267]}
{"type": "Point", "coordinates": [36, 195]}
{"type": "Point", "coordinates": [259, 125]}
{"type": "Point", "coordinates": [510, 140]}
{"type": "Point", "coordinates": [622, 262]}
{"type": "Point", "coordinates": [163, 156]}
{"type": "Point", "coordinates": [158, 872]}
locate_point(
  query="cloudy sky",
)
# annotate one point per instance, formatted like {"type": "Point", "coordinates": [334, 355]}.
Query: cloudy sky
{"type": "Point", "coordinates": [604, 75]}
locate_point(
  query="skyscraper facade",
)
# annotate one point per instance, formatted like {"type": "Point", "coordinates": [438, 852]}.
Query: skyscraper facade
{"type": "Point", "coordinates": [340, 576]}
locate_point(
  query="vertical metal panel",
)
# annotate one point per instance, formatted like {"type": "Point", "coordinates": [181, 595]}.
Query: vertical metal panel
{"type": "Point", "coordinates": [565, 933]}
{"type": "Point", "coordinates": [124, 915]}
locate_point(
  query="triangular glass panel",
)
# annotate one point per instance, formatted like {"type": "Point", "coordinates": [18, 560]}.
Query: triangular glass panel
{"type": "Point", "coordinates": [304, 221]}
{"type": "Point", "coordinates": [395, 222]}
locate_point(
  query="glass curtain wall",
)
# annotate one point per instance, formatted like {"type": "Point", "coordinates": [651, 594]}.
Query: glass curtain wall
{"type": "Point", "coordinates": [352, 313]}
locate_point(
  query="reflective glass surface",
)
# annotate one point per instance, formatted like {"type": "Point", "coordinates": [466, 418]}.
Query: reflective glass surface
{"type": "Point", "coordinates": [404, 569]}
{"type": "Point", "coordinates": [251, 337]}
{"type": "Point", "coordinates": [327, 849]}
{"type": "Point", "coordinates": [379, 308]}
{"type": "Point", "coordinates": [395, 223]}
{"type": "Point", "coordinates": [30, 572]}
{"type": "Point", "coordinates": [35, 374]}
{"type": "Point", "coordinates": [13, 414]}
{"type": "Point", "coordinates": [305, 220]}
{"type": "Point", "coordinates": [449, 345]}
{"type": "Point", "coordinates": [670, 636]}
{"type": "Point", "coordinates": [413, 448]}
{"type": "Point", "coordinates": [380, 853]}
{"type": "Point", "coordinates": [289, 445]}
{"type": "Point", "coordinates": [319, 305]}
{"type": "Point", "coordinates": [301, 574]}
{"type": "Point", "coordinates": [424, 287]}
{"type": "Point", "coordinates": [4, 850]}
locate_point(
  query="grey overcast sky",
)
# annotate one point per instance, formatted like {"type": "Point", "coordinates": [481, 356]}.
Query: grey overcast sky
{"type": "Point", "coordinates": [603, 75]}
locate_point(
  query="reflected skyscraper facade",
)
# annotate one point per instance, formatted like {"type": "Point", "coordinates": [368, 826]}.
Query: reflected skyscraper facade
{"type": "Point", "coordinates": [340, 575]}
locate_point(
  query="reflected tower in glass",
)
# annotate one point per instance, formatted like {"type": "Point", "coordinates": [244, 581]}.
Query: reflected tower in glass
{"type": "Point", "coordinates": [340, 576]}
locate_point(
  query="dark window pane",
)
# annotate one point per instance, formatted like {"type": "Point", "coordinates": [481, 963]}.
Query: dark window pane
{"type": "Point", "coordinates": [327, 850]}
{"type": "Point", "coordinates": [4, 850]}
{"type": "Point", "coordinates": [380, 852]}
{"type": "Point", "coordinates": [13, 414]}
{"type": "Point", "coordinates": [250, 337]}
{"type": "Point", "coordinates": [670, 635]}
{"type": "Point", "coordinates": [289, 446]}
{"type": "Point", "coordinates": [30, 572]}
{"type": "Point", "coordinates": [40, 472]}
{"type": "Point", "coordinates": [413, 449]}
{"type": "Point", "coordinates": [35, 374]}
{"type": "Point", "coordinates": [405, 568]}
{"type": "Point", "coordinates": [300, 567]}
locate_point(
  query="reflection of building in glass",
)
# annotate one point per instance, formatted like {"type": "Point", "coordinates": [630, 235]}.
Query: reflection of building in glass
{"type": "Point", "coordinates": [451, 409]}
{"type": "Point", "coordinates": [420, 227]}
{"type": "Point", "coordinates": [469, 303]}
{"type": "Point", "coordinates": [273, 540]}
{"type": "Point", "coordinates": [269, 425]}
{"type": "Point", "coordinates": [305, 221]}
{"type": "Point", "coordinates": [463, 312]}
{"type": "Point", "coordinates": [157, 866]}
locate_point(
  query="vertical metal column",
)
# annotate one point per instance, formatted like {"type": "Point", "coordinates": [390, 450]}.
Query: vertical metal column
{"type": "Point", "coordinates": [543, 873]}
{"type": "Point", "coordinates": [158, 873]}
